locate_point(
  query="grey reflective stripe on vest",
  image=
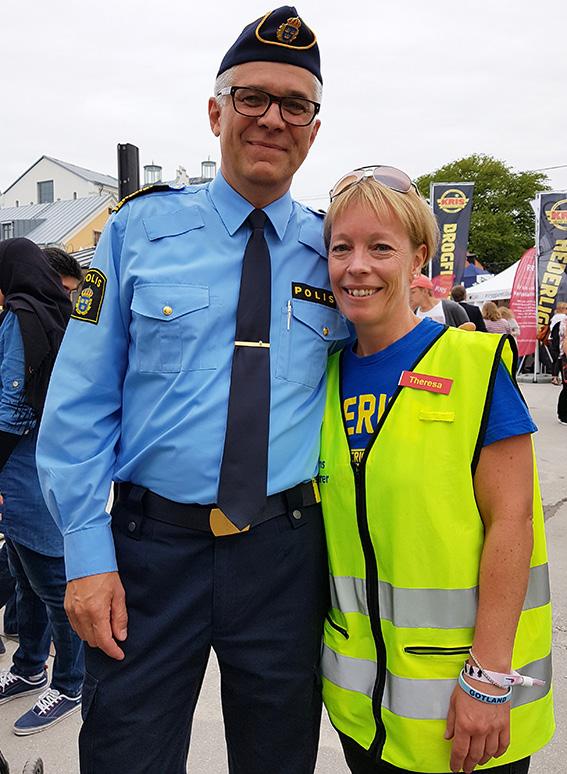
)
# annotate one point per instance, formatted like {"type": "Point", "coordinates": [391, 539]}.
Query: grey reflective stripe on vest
{"type": "Point", "coordinates": [354, 674]}
{"type": "Point", "coordinates": [538, 592]}
{"type": "Point", "coordinates": [418, 699]}
{"type": "Point", "coordinates": [428, 608]}
{"type": "Point", "coordinates": [349, 594]}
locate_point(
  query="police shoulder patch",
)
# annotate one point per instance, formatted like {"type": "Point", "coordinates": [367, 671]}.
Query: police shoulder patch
{"type": "Point", "coordinates": [142, 192]}
{"type": "Point", "coordinates": [89, 301]}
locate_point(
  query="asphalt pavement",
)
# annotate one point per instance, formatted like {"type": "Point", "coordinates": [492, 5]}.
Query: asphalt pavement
{"type": "Point", "coordinates": [58, 746]}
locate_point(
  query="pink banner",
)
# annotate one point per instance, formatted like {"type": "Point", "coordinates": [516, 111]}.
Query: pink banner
{"type": "Point", "coordinates": [523, 302]}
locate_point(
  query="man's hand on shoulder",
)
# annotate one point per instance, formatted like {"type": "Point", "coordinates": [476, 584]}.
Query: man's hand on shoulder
{"type": "Point", "coordinates": [96, 607]}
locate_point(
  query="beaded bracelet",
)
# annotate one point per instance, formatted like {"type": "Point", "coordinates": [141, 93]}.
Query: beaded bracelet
{"type": "Point", "coordinates": [484, 697]}
{"type": "Point", "coordinates": [499, 679]}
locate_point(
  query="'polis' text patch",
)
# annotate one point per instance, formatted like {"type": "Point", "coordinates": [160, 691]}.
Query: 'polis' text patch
{"type": "Point", "coordinates": [316, 295]}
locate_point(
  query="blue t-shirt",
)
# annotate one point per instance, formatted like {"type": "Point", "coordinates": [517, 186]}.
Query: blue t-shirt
{"type": "Point", "coordinates": [369, 382]}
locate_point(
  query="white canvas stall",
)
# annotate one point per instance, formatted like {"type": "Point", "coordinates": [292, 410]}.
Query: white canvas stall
{"type": "Point", "coordinates": [496, 288]}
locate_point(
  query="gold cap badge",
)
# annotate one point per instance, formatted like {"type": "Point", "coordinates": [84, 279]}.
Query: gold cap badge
{"type": "Point", "coordinates": [288, 31]}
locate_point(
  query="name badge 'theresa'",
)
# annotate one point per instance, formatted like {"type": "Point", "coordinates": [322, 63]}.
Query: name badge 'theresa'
{"type": "Point", "coordinates": [426, 382]}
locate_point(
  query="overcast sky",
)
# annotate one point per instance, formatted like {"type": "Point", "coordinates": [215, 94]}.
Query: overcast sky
{"type": "Point", "coordinates": [412, 83]}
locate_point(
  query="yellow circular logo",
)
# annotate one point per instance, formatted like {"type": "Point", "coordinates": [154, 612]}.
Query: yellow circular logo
{"type": "Point", "coordinates": [453, 200]}
{"type": "Point", "coordinates": [557, 215]}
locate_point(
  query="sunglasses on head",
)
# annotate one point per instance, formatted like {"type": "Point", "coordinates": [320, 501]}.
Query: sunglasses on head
{"type": "Point", "coordinates": [391, 177]}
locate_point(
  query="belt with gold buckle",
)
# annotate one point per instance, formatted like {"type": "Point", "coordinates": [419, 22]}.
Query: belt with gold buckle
{"type": "Point", "coordinates": [210, 518]}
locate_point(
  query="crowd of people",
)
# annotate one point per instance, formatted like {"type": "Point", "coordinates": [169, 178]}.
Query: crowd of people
{"type": "Point", "coordinates": [457, 312]}
{"type": "Point", "coordinates": [315, 472]}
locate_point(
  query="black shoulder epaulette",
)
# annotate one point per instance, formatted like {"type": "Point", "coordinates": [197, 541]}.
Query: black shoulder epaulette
{"type": "Point", "coordinates": [320, 213]}
{"type": "Point", "coordinates": [142, 192]}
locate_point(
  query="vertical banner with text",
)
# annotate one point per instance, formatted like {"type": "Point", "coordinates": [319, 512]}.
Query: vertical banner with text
{"type": "Point", "coordinates": [522, 302]}
{"type": "Point", "coordinates": [452, 206]}
{"type": "Point", "coordinates": [551, 255]}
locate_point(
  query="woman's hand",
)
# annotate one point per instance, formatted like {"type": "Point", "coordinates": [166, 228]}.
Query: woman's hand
{"type": "Point", "coordinates": [503, 486]}
{"type": "Point", "coordinates": [479, 731]}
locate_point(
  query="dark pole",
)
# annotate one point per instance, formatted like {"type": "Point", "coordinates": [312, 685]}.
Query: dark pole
{"type": "Point", "coordinates": [128, 169]}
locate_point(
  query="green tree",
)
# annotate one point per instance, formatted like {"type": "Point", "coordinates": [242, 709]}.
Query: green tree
{"type": "Point", "coordinates": [502, 221]}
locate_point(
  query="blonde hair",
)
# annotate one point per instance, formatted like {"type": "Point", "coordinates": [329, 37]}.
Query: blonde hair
{"type": "Point", "coordinates": [490, 311]}
{"type": "Point", "coordinates": [408, 208]}
{"type": "Point", "coordinates": [506, 313]}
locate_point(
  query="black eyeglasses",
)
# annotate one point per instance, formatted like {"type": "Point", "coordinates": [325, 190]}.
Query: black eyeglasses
{"type": "Point", "coordinates": [389, 176]}
{"type": "Point", "coordinates": [255, 103]}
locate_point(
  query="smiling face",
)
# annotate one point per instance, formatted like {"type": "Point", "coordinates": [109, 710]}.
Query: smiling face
{"type": "Point", "coordinates": [261, 155]}
{"type": "Point", "coordinates": [371, 264]}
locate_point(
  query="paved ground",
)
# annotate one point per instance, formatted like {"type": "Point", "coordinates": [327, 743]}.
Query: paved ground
{"type": "Point", "coordinates": [57, 746]}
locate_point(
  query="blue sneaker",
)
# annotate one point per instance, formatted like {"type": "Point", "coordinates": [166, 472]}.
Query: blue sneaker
{"type": "Point", "coordinates": [50, 708]}
{"type": "Point", "coordinates": [13, 686]}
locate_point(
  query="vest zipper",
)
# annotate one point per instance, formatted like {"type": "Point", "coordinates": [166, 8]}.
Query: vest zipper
{"type": "Point", "coordinates": [373, 609]}
{"type": "Point", "coordinates": [424, 650]}
{"type": "Point", "coordinates": [336, 627]}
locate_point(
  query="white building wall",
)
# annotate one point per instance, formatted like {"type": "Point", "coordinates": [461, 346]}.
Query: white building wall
{"type": "Point", "coordinates": [65, 185]}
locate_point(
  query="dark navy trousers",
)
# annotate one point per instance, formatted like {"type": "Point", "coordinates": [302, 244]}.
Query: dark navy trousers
{"type": "Point", "coordinates": [259, 599]}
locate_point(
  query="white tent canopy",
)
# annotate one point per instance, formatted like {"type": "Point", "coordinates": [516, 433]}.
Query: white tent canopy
{"type": "Point", "coordinates": [494, 289]}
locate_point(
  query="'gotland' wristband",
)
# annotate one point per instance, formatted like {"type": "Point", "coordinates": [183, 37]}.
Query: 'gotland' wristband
{"type": "Point", "coordinates": [484, 697]}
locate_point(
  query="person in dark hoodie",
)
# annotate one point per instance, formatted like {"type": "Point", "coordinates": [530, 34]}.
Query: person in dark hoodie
{"type": "Point", "coordinates": [38, 310]}
{"type": "Point", "coordinates": [69, 271]}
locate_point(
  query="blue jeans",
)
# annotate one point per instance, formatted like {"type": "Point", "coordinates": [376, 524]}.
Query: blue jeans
{"type": "Point", "coordinates": [40, 594]}
{"type": "Point", "coordinates": [7, 592]}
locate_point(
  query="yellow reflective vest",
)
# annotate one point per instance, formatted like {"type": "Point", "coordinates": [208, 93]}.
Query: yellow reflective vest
{"type": "Point", "coordinates": [405, 539]}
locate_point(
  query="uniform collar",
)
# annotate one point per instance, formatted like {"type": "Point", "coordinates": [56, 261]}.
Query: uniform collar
{"type": "Point", "coordinates": [234, 209]}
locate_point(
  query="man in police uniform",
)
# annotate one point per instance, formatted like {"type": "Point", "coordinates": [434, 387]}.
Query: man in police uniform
{"type": "Point", "coordinates": [148, 392]}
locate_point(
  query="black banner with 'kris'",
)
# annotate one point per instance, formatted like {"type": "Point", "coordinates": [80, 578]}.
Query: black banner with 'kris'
{"type": "Point", "coordinates": [452, 206]}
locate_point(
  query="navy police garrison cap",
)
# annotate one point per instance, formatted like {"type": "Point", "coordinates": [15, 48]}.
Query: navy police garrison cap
{"type": "Point", "coordinates": [279, 36]}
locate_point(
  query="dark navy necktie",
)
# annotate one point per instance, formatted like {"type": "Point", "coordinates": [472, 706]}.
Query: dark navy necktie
{"type": "Point", "coordinates": [244, 468]}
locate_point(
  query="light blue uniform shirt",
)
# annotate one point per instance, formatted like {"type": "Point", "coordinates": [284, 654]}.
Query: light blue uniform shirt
{"type": "Point", "coordinates": [142, 395]}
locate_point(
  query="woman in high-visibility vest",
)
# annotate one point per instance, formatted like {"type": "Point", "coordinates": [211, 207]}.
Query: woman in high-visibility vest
{"type": "Point", "coordinates": [437, 648]}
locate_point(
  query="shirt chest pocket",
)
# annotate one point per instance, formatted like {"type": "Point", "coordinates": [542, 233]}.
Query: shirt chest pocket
{"type": "Point", "coordinates": [170, 326]}
{"type": "Point", "coordinates": [307, 331]}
